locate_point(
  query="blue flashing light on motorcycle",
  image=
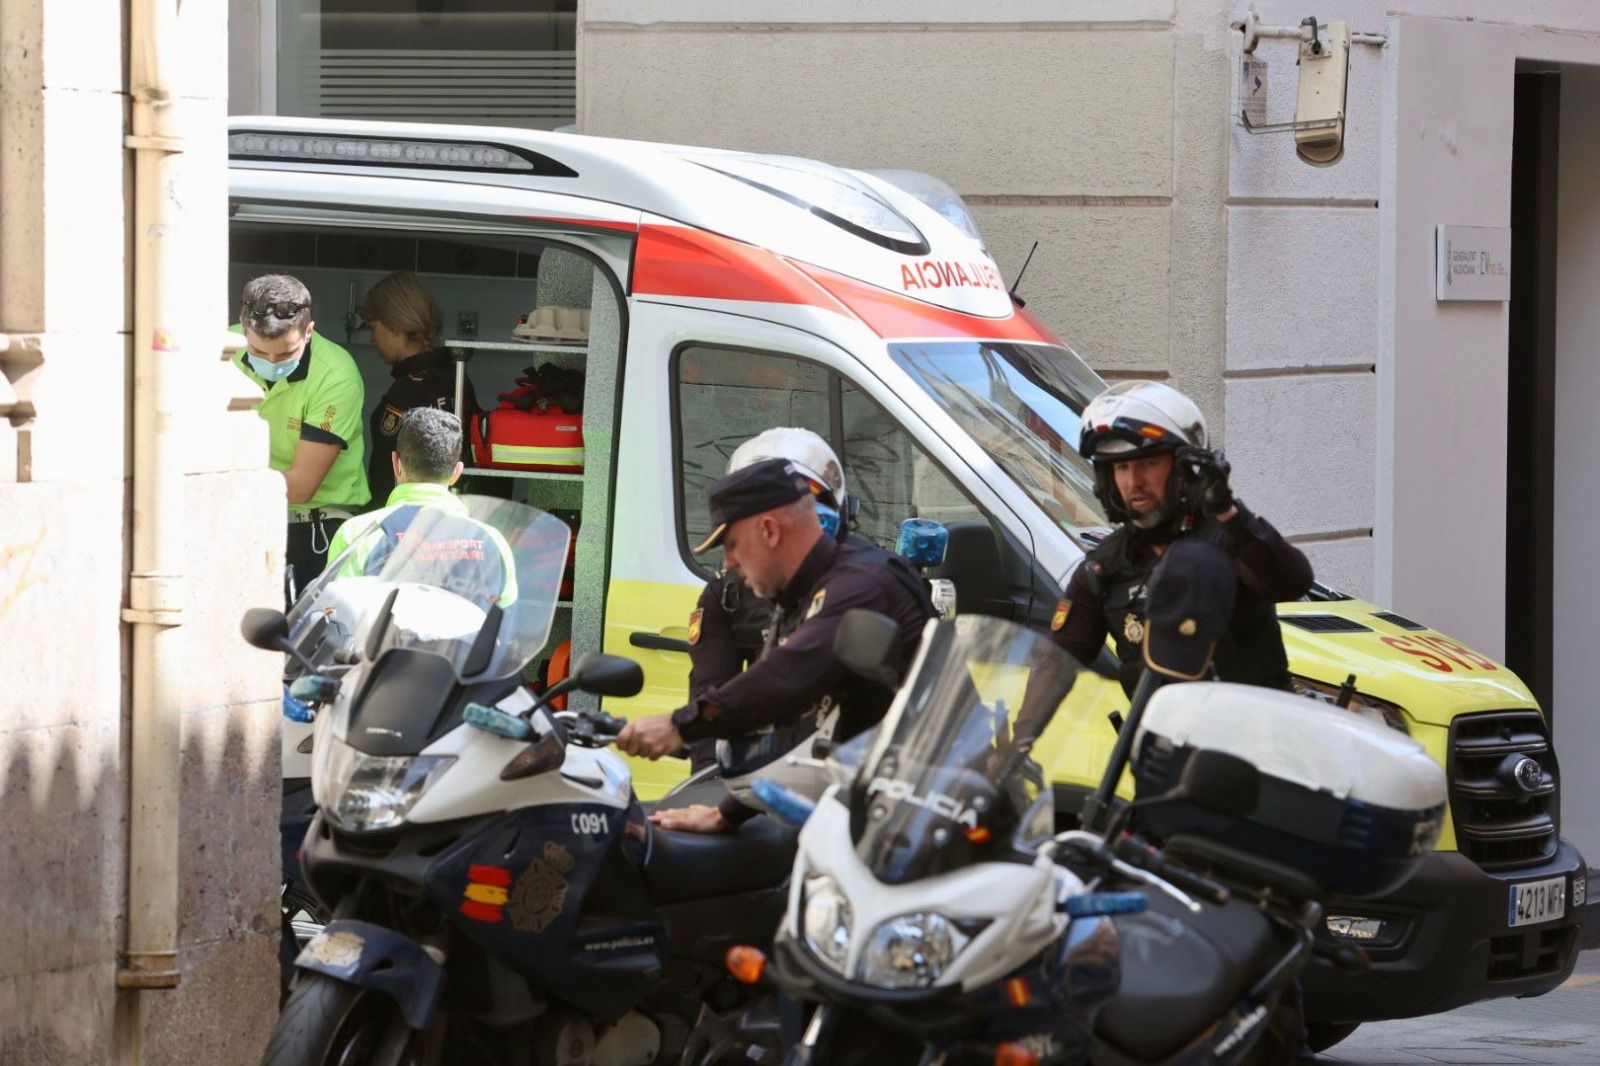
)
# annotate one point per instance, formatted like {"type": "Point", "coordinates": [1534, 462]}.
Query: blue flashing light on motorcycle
{"type": "Point", "coordinates": [501, 723]}
{"type": "Point", "coordinates": [296, 711]}
{"type": "Point", "coordinates": [1096, 904]}
{"type": "Point", "coordinates": [786, 805]}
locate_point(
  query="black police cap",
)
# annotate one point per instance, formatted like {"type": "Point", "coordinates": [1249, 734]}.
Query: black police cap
{"type": "Point", "coordinates": [753, 490]}
{"type": "Point", "coordinates": [1189, 602]}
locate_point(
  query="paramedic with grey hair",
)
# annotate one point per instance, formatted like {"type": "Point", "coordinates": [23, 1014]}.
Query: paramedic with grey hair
{"type": "Point", "coordinates": [311, 399]}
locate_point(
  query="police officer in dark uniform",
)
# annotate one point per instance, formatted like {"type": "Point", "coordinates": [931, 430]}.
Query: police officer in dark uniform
{"type": "Point", "coordinates": [726, 634]}
{"type": "Point", "coordinates": [767, 524]}
{"type": "Point", "coordinates": [1155, 475]}
{"type": "Point", "coordinates": [406, 323]}
{"type": "Point", "coordinates": [729, 626]}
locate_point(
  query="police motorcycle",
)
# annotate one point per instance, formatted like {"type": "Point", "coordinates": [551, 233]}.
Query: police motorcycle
{"type": "Point", "coordinates": [496, 893]}
{"type": "Point", "coordinates": [935, 916]}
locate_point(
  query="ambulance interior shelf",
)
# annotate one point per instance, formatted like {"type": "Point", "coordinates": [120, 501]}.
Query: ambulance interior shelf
{"type": "Point", "coordinates": [462, 350]}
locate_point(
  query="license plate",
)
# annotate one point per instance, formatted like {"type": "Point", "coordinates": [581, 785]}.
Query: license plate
{"type": "Point", "coordinates": [1538, 901]}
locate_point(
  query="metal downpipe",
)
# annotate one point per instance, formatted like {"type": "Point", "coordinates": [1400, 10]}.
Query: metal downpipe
{"type": "Point", "coordinates": [156, 597]}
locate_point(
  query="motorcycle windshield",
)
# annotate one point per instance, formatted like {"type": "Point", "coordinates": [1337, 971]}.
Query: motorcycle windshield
{"type": "Point", "coordinates": [474, 579]}
{"type": "Point", "coordinates": [949, 779]}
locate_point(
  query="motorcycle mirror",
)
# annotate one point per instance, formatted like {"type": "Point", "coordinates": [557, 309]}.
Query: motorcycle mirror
{"type": "Point", "coordinates": [864, 643]}
{"type": "Point", "coordinates": [264, 628]}
{"type": "Point", "coordinates": [608, 675]}
{"type": "Point", "coordinates": [1221, 783]}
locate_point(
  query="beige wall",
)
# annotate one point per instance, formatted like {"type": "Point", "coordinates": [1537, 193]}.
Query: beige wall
{"type": "Point", "coordinates": [1057, 123]}
{"type": "Point", "coordinates": [65, 460]}
{"type": "Point", "coordinates": [1173, 242]}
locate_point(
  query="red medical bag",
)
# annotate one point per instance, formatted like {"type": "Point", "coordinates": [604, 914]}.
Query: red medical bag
{"type": "Point", "coordinates": [548, 439]}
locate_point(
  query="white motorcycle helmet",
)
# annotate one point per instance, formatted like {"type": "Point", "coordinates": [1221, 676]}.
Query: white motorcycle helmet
{"type": "Point", "coordinates": [1132, 419]}
{"type": "Point", "coordinates": [815, 461]}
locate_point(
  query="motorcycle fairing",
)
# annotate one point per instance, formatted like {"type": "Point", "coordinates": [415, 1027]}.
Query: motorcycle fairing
{"type": "Point", "coordinates": [408, 699]}
{"type": "Point", "coordinates": [549, 891]}
{"type": "Point", "coordinates": [370, 956]}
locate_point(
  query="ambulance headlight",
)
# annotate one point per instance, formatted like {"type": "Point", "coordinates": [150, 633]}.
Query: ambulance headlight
{"type": "Point", "coordinates": [364, 792]}
{"type": "Point", "coordinates": [911, 951]}
{"type": "Point", "coordinates": [1367, 706]}
{"type": "Point", "coordinates": [826, 921]}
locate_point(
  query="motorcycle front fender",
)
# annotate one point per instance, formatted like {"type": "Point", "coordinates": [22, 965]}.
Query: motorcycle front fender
{"type": "Point", "coordinates": [370, 956]}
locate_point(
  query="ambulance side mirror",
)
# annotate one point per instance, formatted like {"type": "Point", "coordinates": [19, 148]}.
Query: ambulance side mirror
{"type": "Point", "coordinates": [864, 643]}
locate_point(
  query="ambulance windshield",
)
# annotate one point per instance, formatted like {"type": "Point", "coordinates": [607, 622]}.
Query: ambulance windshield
{"type": "Point", "coordinates": [1020, 403]}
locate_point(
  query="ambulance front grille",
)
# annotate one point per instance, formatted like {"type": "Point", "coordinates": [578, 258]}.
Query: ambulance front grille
{"type": "Point", "coordinates": [1501, 825]}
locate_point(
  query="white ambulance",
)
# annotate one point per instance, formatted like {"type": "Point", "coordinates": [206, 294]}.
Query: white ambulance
{"type": "Point", "coordinates": [708, 295]}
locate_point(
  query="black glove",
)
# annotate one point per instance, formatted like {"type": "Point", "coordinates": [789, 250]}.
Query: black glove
{"type": "Point", "coordinates": [1203, 481]}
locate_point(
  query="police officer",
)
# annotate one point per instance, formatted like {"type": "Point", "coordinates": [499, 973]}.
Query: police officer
{"type": "Point", "coordinates": [311, 399]}
{"type": "Point", "coordinates": [1156, 476]}
{"type": "Point", "coordinates": [767, 524]}
{"type": "Point", "coordinates": [728, 628]}
{"type": "Point", "coordinates": [406, 322]}
{"type": "Point", "coordinates": [456, 551]}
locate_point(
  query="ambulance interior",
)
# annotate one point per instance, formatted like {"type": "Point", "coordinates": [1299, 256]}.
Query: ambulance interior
{"type": "Point", "coordinates": [514, 303]}
{"type": "Point", "coordinates": [510, 306]}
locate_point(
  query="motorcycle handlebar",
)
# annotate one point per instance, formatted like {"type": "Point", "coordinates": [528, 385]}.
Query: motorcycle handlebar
{"type": "Point", "coordinates": [1137, 853]}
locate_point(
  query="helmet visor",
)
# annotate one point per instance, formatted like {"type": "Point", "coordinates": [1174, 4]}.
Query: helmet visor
{"type": "Point", "coordinates": [1125, 438]}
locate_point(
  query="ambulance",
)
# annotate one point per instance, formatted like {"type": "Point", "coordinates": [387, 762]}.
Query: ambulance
{"type": "Point", "coordinates": [707, 295]}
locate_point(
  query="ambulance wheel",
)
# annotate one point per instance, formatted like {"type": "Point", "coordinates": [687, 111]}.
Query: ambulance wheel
{"type": "Point", "coordinates": [1320, 1036]}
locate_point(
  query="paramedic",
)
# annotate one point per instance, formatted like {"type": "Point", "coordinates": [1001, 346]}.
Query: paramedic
{"type": "Point", "coordinates": [311, 399]}
{"type": "Point", "coordinates": [456, 551]}
{"type": "Point", "coordinates": [1156, 476]}
{"type": "Point", "coordinates": [766, 522]}
{"type": "Point", "coordinates": [728, 628]}
{"type": "Point", "coordinates": [406, 322]}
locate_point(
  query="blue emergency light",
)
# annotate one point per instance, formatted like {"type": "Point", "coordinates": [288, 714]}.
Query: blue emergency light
{"type": "Point", "coordinates": [922, 542]}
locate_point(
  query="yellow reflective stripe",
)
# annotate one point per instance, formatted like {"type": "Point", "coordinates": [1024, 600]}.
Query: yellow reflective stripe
{"type": "Point", "coordinates": [521, 453]}
{"type": "Point", "coordinates": [487, 894]}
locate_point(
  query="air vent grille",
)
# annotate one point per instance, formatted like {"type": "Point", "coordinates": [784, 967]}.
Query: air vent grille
{"type": "Point", "coordinates": [535, 90]}
{"type": "Point", "coordinates": [1399, 620]}
{"type": "Point", "coordinates": [1323, 623]}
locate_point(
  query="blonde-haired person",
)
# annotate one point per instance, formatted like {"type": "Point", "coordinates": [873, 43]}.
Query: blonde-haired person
{"type": "Point", "coordinates": [406, 324]}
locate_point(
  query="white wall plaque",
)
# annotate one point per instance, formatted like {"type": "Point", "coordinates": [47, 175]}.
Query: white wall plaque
{"type": "Point", "coordinates": [1472, 262]}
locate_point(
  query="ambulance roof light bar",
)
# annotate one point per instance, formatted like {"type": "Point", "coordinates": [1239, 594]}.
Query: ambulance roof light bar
{"type": "Point", "coordinates": [389, 152]}
{"type": "Point", "coordinates": [936, 194]}
{"type": "Point", "coordinates": [826, 192]}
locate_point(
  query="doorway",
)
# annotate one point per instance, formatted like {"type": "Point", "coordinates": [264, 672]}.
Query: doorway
{"type": "Point", "coordinates": [1531, 383]}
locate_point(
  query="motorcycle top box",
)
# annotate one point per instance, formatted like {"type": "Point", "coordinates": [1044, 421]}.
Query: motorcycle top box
{"type": "Point", "coordinates": [1351, 803]}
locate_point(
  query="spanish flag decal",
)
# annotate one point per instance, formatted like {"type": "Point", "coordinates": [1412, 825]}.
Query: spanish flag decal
{"type": "Point", "coordinates": [694, 627]}
{"type": "Point", "coordinates": [486, 893]}
{"type": "Point", "coordinates": [1059, 619]}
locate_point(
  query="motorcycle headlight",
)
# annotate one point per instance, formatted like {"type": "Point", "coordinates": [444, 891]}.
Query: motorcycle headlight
{"type": "Point", "coordinates": [1367, 706]}
{"type": "Point", "coordinates": [826, 921]}
{"type": "Point", "coordinates": [362, 792]}
{"type": "Point", "coordinates": [911, 951]}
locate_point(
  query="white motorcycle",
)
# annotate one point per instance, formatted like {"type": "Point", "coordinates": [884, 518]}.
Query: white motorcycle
{"type": "Point", "coordinates": [496, 893]}
{"type": "Point", "coordinates": [935, 915]}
